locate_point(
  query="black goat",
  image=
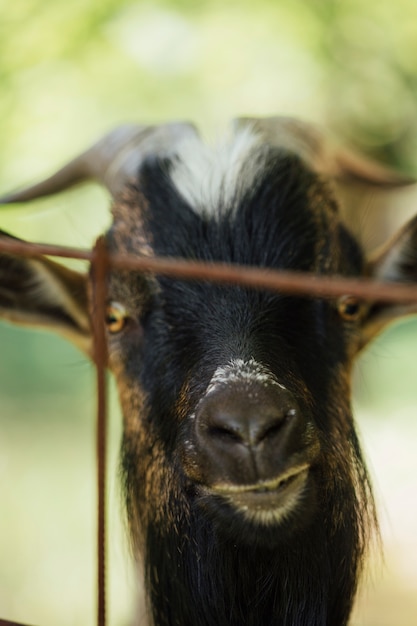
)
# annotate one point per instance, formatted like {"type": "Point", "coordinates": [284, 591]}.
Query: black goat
{"type": "Point", "coordinates": [247, 495]}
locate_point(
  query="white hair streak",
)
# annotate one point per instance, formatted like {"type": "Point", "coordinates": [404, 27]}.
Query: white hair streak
{"type": "Point", "coordinates": [211, 175]}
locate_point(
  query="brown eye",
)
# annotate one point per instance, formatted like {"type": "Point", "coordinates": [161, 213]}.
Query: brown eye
{"type": "Point", "coordinates": [116, 317]}
{"type": "Point", "coordinates": [349, 308]}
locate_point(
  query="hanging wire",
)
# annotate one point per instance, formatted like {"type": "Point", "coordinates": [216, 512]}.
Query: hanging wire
{"type": "Point", "coordinates": [99, 273]}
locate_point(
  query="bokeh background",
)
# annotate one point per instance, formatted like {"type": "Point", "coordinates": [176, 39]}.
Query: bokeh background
{"type": "Point", "coordinates": [69, 71]}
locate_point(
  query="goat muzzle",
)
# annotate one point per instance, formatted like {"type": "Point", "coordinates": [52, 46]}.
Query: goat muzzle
{"type": "Point", "coordinates": [252, 446]}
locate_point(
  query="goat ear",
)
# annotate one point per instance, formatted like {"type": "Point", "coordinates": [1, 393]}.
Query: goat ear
{"type": "Point", "coordinates": [396, 261]}
{"type": "Point", "coordinates": [42, 293]}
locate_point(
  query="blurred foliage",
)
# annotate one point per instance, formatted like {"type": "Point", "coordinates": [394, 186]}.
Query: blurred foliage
{"type": "Point", "coordinates": [68, 72]}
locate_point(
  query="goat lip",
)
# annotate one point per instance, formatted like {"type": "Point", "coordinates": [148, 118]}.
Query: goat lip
{"type": "Point", "coordinates": [272, 487]}
{"type": "Point", "coordinates": [266, 502]}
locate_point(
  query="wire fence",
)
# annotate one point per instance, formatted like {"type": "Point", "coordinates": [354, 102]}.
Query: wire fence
{"type": "Point", "coordinates": [264, 279]}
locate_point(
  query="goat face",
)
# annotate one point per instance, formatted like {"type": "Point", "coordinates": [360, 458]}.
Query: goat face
{"type": "Point", "coordinates": [230, 378]}
{"type": "Point", "coordinates": [245, 487]}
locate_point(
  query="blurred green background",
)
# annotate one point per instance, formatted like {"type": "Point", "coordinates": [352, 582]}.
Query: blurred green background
{"type": "Point", "coordinates": [69, 71]}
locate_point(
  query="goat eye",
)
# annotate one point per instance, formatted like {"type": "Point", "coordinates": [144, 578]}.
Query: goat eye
{"type": "Point", "coordinates": [349, 308]}
{"type": "Point", "coordinates": [116, 317]}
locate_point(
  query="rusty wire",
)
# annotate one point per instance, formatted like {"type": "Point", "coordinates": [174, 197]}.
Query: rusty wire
{"type": "Point", "coordinates": [256, 278]}
{"type": "Point", "coordinates": [5, 622]}
{"type": "Point", "coordinates": [99, 272]}
{"type": "Point", "coordinates": [101, 261]}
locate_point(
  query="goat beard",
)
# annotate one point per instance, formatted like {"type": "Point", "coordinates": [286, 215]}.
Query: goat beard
{"type": "Point", "coordinates": [196, 576]}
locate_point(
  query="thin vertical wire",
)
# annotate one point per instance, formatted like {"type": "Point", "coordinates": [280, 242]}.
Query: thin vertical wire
{"type": "Point", "coordinates": [100, 267]}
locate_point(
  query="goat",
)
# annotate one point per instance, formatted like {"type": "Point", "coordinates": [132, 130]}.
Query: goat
{"type": "Point", "coordinates": [247, 495]}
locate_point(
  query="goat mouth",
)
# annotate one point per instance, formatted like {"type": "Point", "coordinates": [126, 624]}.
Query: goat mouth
{"type": "Point", "coordinates": [268, 501]}
{"type": "Point", "coordinates": [262, 486]}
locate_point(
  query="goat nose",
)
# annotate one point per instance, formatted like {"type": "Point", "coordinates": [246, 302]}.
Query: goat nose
{"type": "Point", "coordinates": [244, 434]}
{"type": "Point", "coordinates": [230, 417]}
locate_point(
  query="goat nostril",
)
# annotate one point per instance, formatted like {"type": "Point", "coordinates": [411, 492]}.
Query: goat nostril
{"type": "Point", "coordinates": [222, 433]}
{"type": "Point", "coordinates": [272, 430]}
{"type": "Point", "coordinates": [275, 425]}
{"type": "Point", "coordinates": [267, 429]}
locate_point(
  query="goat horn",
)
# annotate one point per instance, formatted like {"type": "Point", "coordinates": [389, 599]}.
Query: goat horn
{"type": "Point", "coordinates": [310, 143]}
{"type": "Point", "coordinates": [112, 161]}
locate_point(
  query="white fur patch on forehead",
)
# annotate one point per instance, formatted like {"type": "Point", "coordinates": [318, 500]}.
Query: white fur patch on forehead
{"type": "Point", "coordinates": [240, 371]}
{"type": "Point", "coordinates": [210, 176]}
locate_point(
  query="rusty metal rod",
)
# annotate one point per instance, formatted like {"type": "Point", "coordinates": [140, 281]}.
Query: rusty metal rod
{"type": "Point", "coordinates": [5, 622]}
{"type": "Point", "coordinates": [256, 278]}
{"type": "Point", "coordinates": [270, 279]}
{"type": "Point", "coordinates": [99, 272]}
{"type": "Point", "coordinates": [27, 248]}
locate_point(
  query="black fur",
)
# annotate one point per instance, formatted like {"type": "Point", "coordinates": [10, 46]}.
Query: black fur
{"type": "Point", "coordinates": [205, 565]}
